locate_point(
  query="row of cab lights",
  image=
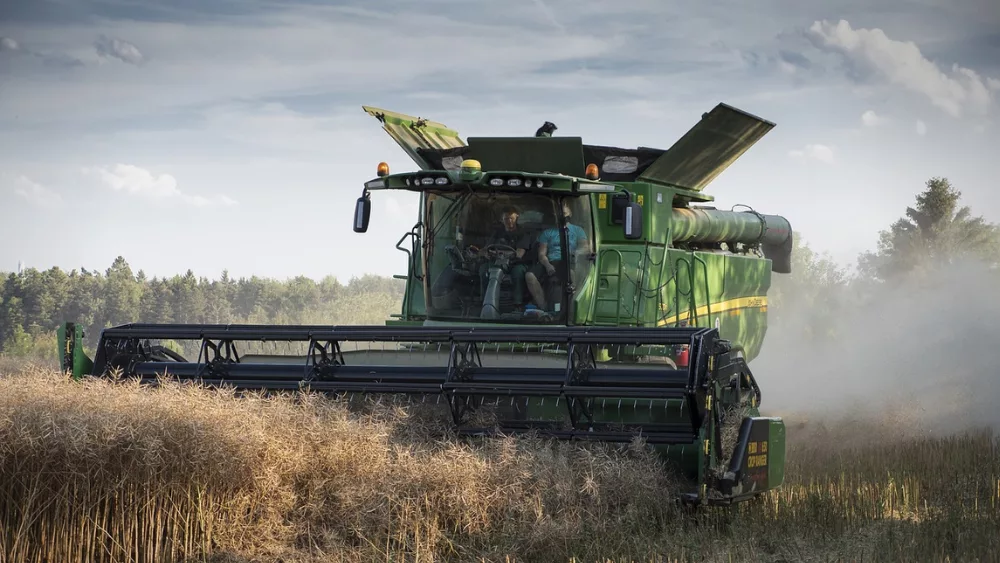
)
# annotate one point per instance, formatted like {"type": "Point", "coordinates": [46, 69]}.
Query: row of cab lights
{"type": "Point", "coordinates": [515, 182]}
{"type": "Point", "coordinates": [592, 173]}
{"type": "Point", "coordinates": [512, 182]}
{"type": "Point", "coordinates": [383, 170]}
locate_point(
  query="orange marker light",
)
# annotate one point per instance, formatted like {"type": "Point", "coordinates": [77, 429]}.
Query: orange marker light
{"type": "Point", "coordinates": [383, 169]}
{"type": "Point", "coordinates": [592, 172]}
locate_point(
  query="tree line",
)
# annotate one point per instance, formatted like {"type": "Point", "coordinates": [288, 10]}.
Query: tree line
{"type": "Point", "coordinates": [935, 234]}
{"type": "Point", "coordinates": [34, 303]}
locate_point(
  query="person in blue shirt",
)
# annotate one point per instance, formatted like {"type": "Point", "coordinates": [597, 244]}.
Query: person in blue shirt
{"type": "Point", "coordinates": [550, 255]}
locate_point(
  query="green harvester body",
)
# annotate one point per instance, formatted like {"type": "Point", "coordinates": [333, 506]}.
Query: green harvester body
{"type": "Point", "coordinates": [645, 328]}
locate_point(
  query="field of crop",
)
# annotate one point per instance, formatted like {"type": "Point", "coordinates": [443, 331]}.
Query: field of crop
{"type": "Point", "coordinates": [93, 471]}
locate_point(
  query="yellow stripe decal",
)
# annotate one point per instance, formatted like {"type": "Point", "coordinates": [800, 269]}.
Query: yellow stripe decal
{"type": "Point", "coordinates": [730, 305]}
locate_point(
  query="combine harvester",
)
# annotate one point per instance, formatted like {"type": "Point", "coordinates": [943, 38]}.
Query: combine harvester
{"type": "Point", "coordinates": [644, 329]}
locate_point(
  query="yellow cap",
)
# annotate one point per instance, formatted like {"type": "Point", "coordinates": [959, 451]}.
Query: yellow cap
{"type": "Point", "coordinates": [471, 164]}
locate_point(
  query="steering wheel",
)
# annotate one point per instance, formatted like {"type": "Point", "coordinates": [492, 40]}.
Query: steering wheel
{"type": "Point", "coordinates": [499, 247]}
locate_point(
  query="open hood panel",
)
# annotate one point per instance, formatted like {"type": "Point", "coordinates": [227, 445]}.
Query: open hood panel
{"type": "Point", "coordinates": [413, 133]}
{"type": "Point", "coordinates": [708, 148]}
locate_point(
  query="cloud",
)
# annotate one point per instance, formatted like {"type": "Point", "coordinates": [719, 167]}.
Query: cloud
{"type": "Point", "coordinates": [141, 182]}
{"type": "Point", "coordinates": [287, 54]}
{"type": "Point", "coordinates": [818, 152]}
{"type": "Point", "coordinates": [275, 127]}
{"type": "Point", "coordinates": [871, 119]}
{"type": "Point", "coordinates": [112, 48]}
{"type": "Point", "coordinates": [871, 55]}
{"type": "Point", "coordinates": [921, 128]}
{"type": "Point", "coordinates": [35, 193]}
{"type": "Point", "coordinates": [26, 55]}
{"type": "Point", "coordinates": [549, 16]}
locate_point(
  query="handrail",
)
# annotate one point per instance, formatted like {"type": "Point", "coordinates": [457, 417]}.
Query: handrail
{"type": "Point", "coordinates": [708, 295]}
{"type": "Point", "coordinates": [677, 287]}
{"type": "Point", "coordinates": [690, 293]}
{"type": "Point", "coordinates": [659, 280]}
{"type": "Point", "coordinates": [410, 263]}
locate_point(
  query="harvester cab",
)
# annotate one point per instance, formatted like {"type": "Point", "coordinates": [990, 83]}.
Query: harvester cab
{"type": "Point", "coordinates": [582, 292]}
{"type": "Point", "coordinates": [626, 216]}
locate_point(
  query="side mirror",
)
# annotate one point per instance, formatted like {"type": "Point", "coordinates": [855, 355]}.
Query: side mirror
{"type": "Point", "coordinates": [362, 213]}
{"type": "Point", "coordinates": [633, 221]}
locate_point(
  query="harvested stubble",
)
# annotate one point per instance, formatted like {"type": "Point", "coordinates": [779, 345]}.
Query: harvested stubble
{"type": "Point", "coordinates": [94, 471]}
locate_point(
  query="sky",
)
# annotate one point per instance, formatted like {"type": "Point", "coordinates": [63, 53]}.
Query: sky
{"type": "Point", "coordinates": [220, 135]}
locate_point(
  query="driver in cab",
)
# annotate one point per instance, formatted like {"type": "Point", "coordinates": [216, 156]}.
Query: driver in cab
{"type": "Point", "coordinates": [509, 234]}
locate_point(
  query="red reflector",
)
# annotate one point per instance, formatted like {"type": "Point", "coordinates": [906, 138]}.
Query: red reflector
{"type": "Point", "coordinates": [682, 357]}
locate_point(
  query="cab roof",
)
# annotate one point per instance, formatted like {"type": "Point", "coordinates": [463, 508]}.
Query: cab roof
{"type": "Point", "coordinates": [705, 151]}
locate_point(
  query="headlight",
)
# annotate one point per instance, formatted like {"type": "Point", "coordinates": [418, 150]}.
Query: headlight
{"type": "Point", "coordinates": [427, 181]}
{"type": "Point", "coordinates": [496, 181]}
{"type": "Point", "coordinates": [441, 181]}
{"type": "Point", "coordinates": [514, 182]}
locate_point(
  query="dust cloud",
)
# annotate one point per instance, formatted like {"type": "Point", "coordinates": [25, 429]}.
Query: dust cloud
{"type": "Point", "coordinates": [928, 348]}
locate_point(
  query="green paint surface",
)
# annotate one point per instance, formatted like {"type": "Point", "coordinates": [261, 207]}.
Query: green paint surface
{"type": "Point", "coordinates": [72, 356]}
{"type": "Point", "coordinates": [776, 451]}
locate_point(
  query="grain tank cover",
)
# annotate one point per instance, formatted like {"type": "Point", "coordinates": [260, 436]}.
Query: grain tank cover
{"type": "Point", "coordinates": [708, 148]}
{"type": "Point", "coordinates": [534, 155]}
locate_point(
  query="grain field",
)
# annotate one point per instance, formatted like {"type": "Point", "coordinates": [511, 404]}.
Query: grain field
{"type": "Point", "coordinates": [98, 471]}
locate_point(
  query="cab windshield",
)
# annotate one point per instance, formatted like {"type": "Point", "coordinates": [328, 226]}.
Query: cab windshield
{"type": "Point", "coordinates": [498, 257]}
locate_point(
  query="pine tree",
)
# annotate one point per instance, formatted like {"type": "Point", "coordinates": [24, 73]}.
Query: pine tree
{"type": "Point", "coordinates": [934, 233]}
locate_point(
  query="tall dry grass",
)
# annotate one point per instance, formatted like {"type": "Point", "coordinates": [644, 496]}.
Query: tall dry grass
{"type": "Point", "coordinates": [94, 471]}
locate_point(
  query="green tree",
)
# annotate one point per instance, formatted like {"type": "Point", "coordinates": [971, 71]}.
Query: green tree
{"type": "Point", "coordinates": [936, 232]}
{"type": "Point", "coordinates": [11, 317]}
{"type": "Point", "coordinates": [123, 294]}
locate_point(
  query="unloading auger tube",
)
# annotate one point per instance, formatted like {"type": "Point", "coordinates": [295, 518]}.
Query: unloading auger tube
{"type": "Point", "coordinates": [548, 380]}
{"type": "Point", "coordinates": [709, 225]}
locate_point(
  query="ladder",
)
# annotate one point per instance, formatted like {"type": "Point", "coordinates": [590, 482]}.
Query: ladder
{"type": "Point", "coordinates": [619, 276]}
